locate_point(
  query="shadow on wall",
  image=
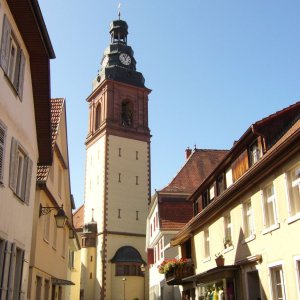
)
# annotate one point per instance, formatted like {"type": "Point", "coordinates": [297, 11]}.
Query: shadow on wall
{"type": "Point", "coordinates": [250, 278]}
{"type": "Point", "coordinates": [85, 291]}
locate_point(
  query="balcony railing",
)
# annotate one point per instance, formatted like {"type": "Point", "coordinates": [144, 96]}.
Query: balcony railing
{"type": "Point", "coordinates": [175, 276]}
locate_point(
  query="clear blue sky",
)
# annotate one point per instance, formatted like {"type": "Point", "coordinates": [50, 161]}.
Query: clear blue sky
{"type": "Point", "coordinates": [214, 67]}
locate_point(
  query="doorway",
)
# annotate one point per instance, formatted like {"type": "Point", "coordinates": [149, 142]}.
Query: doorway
{"type": "Point", "coordinates": [253, 285]}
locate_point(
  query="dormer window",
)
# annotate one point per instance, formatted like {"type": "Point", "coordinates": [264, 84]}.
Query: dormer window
{"type": "Point", "coordinates": [221, 186]}
{"type": "Point", "coordinates": [127, 114]}
{"type": "Point", "coordinates": [254, 153]}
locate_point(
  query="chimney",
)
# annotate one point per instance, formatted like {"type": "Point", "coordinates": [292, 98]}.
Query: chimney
{"type": "Point", "coordinates": [188, 152]}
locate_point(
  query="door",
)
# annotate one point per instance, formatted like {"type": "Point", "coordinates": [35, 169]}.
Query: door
{"type": "Point", "coordinates": [253, 285]}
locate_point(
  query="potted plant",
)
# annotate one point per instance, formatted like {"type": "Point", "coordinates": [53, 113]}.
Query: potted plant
{"type": "Point", "coordinates": [171, 266]}
{"type": "Point", "coordinates": [219, 260]}
{"type": "Point", "coordinates": [227, 241]}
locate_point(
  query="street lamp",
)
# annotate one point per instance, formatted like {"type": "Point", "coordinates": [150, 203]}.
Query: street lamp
{"type": "Point", "coordinates": [60, 217]}
{"type": "Point", "coordinates": [124, 280]}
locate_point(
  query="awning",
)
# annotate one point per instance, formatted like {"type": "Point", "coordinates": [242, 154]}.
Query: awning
{"type": "Point", "coordinates": [58, 281]}
{"type": "Point", "coordinates": [213, 274]}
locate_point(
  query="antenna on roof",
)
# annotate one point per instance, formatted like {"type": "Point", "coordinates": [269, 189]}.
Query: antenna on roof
{"type": "Point", "coordinates": [195, 147]}
{"type": "Point", "coordinates": [119, 10]}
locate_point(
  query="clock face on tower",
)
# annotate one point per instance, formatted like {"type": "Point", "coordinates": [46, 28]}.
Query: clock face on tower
{"type": "Point", "coordinates": [125, 59]}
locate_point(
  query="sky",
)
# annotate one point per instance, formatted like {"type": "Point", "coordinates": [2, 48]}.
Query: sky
{"type": "Point", "coordinates": [214, 67]}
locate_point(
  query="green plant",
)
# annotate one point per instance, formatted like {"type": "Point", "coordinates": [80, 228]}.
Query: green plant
{"type": "Point", "coordinates": [169, 265]}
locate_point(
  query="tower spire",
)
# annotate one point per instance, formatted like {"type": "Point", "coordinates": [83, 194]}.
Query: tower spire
{"type": "Point", "coordinates": [119, 10]}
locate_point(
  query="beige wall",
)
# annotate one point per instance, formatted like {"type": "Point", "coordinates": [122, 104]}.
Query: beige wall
{"type": "Point", "coordinates": [277, 246]}
{"type": "Point", "coordinates": [50, 252]}
{"type": "Point", "coordinates": [103, 158]}
{"type": "Point", "coordinates": [19, 119]}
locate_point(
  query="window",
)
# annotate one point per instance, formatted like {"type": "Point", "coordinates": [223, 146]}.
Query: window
{"type": "Point", "coordinates": [277, 281]}
{"type": "Point", "coordinates": [119, 177]}
{"type": "Point", "coordinates": [46, 226]}
{"type": "Point", "coordinates": [60, 181]}
{"type": "Point", "coordinates": [63, 249]}
{"type": "Point", "coordinates": [137, 180]}
{"type": "Point", "coordinates": [137, 215]}
{"type": "Point", "coordinates": [54, 235]}
{"type": "Point", "coordinates": [127, 114]}
{"type": "Point", "coordinates": [248, 221]}
{"type": "Point", "coordinates": [120, 152]}
{"type": "Point", "coordinates": [221, 186]}
{"type": "Point", "coordinates": [12, 59]}
{"type": "Point", "coordinates": [11, 264]}
{"type": "Point", "coordinates": [211, 193]}
{"type": "Point", "coordinates": [196, 206]}
{"type": "Point", "coordinates": [205, 199]}
{"type": "Point", "coordinates": [206, 243]}
{"type": "Point", "coordinates": [293, 187]}
{"type": "Point", "coordinates": [136, 155]}
{"type": "Point", "coordinates": [71, 259]}
{"type": "Point", "coordinates": [227, 231]}
{"type": "Point", "coordinates": [162, 248]}
{"type": "Point", "coordinates": [297, 261]}
{"type": "Point", "coordinates": [20, 171]}
{"type": "Point", "coordinates": [98, 116]}
{"type": "Point", "coordinates": [229, 179]}
{"type": "Point", "coordinates": [128, 269]}
{"type": "Point", "coordinates": [269, 206]}
{"type": "Point", "coordinates": [254, 153]}
{"type": "Point", "coordinates": [2, 148]}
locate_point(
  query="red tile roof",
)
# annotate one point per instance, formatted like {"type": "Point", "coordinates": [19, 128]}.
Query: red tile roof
{"type": "Point", "coordinates": [78, 216]}
{"type": "Point", "coordinates": [57, 105]}
{"type": "Point", "coordinates": [174, 214]}
{"type": "Point", "coordinates": [197, 167]}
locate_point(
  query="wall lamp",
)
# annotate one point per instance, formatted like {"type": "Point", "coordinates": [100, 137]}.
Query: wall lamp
{"type": "Point", "coordinates": [60, 217]}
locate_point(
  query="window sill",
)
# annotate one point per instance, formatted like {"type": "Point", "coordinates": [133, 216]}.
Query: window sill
{"type": "Point", "coordinates": [228, 249]}
{"type": "Point", "coordinates": [293, 218]}
{"type": "Point", "coordinates": [249, 239]}
{"type": "Point", "coordinates": [271, 228]}
{"type": "Point", "coordinates": [206, 259]}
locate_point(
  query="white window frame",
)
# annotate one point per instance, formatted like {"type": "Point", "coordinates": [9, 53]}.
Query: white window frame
{"type": "Point", "coordinates": [265, 202]}
{"type": "Point", "coordinates": [293, 214]}
{"type": "Point", "coordinates": [206, 244]}
{"type": "Point", "coordinates": [272, 267]}
{"type": "Point", "coordinates": [245, 216]}
{"type": "Point", "coordinates": [3, 133]}
{"type": "Point", "coordinates": [297, 270]}
{"type": "Point", "coordinates": [227, 229]}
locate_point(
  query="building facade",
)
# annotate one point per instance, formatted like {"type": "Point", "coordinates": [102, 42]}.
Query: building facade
{"type": "Point", "coordinates": [117, 181]}
{"type": "Point", "coordinates": [49, 277]}
{"type": "Point", "coordinates": [247, 217]}
{"type": "Point", "coordinates": [25, 135]}
{"type": "Point", "coordinates": [169, 212]}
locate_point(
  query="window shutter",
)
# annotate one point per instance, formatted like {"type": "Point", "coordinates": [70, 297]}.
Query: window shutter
{"type": "Point", "coordinates": [12, 268]}
{"type": "Point", "coordinates": [150, 256]}
{"type": "Point", "coordinates": [21, 75]}
{"type": "Point", "coordinates": [5, 43]}
{"type": "Point", "coordinates": [13, 164]}
{"type": "Point", "coordinates": [5, 271]}
{"type": "Point", "coordinates": [2, 147]}
{"type": "Point", "coordinates": [28, 179]}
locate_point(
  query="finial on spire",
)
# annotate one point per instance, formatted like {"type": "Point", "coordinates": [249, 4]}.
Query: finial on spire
{"type": "Point", "coordinates": [119, 10]}
{"type": "Point", "coordinates": [92, 215]}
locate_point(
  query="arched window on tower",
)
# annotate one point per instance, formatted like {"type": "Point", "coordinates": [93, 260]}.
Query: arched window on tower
{"type": "Point", "coordinates": [127, 113]}
{"type": "Point", "coordinates": [98, 116]}
{"type": "Point", "coordinates": [128, 262]}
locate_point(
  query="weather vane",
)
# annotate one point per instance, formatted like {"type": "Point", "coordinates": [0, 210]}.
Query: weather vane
{"type": "Point", "coordinates": [119, 10]}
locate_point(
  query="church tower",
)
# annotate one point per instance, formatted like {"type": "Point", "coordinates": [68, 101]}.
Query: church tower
{"type": "Point", "coordinates": [117, 181]}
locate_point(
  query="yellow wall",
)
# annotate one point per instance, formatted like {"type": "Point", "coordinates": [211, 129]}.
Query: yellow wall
{"type": "Point", "coordinates": [279, 245]}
